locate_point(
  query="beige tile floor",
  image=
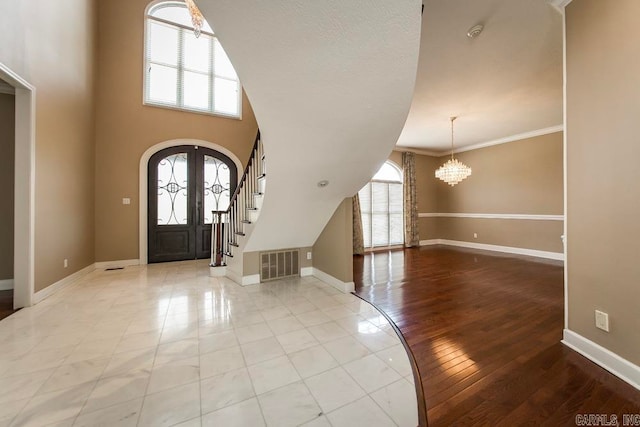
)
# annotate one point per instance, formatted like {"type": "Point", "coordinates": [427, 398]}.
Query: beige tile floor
{"type": "Point", "coordinates": [166, 345]}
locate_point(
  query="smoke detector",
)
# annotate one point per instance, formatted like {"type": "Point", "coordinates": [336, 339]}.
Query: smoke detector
{"type": "Point", "coordinates": [475, 31]}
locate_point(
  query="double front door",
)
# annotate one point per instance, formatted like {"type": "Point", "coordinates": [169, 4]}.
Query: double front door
{"type": "Point", "coordinates": [186, 184]}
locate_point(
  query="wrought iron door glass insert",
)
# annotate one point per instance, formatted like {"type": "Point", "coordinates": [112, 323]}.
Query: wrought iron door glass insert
{"type": "Point", "coordinates": [217, 187]}
{"type": "Point", "coordinates": [173, 197]}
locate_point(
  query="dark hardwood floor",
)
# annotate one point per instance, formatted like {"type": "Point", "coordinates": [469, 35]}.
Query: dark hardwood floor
{"type": "Point", "coordinates": [485, 332]}
{"type": "Point", "coordinates": [6, 304]}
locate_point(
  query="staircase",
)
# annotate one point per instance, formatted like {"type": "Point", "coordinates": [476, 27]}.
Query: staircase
{"type": "Point", "coordinates": [331, 84]}
{"type": "Point", "coordinates": [231, 228]}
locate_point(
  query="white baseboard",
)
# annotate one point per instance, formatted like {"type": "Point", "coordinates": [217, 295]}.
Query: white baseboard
{"type": "Point", "coordinates": [599, 355]}
{"type": "Point", "coordinates": [253, 279]}
{"type": "Point", "coordinates": [6, 285]}
{"type": "Point", "coordinates": [495, 248]}
{"type": "Point", "coordinates": [306, 271]}
{"type": "Point", "coordinates": [220, 271]}
{"type": "Point", "coordinates": [231, 274]}
{"type": "Point", "coordinates": [61, 284]}
{"type": "Point", "coordinates": [430, 242]}
{"type": "Point", "coordinates": [116, 264]}
{"type": "Point", "coordinates": [346, 287]}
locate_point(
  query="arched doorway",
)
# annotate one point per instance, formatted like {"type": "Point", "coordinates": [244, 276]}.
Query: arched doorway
{"type": "Point", "coordinates": [185, 184]}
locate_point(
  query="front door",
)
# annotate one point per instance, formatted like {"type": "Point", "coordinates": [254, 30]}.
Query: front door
{"type": "Point", "coordinates": [186, 184]}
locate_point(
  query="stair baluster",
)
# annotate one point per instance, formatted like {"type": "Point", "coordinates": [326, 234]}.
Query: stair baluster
{"type": "Point", "coordinates": [228, 225]}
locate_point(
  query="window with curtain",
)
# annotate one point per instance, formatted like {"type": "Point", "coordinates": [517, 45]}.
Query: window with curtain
{"type": "Point", "coordinates": [185, 72]}
{"type": "Point", "coordinates": [382, 208]}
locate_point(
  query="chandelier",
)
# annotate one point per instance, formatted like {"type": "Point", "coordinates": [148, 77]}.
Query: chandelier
{"type": "Point", "coordinates": [196, 17]}
{"type": "Point", "coordinates": [453, 171]}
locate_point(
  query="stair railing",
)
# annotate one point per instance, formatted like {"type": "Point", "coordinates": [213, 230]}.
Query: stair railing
{"type": "Point", "coordinates": [229, 225]}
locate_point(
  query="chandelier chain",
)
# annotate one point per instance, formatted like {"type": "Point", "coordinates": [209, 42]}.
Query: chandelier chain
{"type": "Point", "coordinates": [452, 119]}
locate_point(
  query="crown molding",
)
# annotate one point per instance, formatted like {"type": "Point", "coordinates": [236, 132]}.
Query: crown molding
{"type": "Point", "coordinates": [506, 139]}
{"type": "Point", "coordinates": [559, 4]}
{"type": "Point", "coordinates": [419, 151]}
{"type": "Point", "coordinates": [512, 138]}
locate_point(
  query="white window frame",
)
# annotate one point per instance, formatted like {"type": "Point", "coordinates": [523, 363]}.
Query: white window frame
{"type": "Point", "coordinates": [184, 31]}
{"type": "Point", "coordinates": [390, 246]}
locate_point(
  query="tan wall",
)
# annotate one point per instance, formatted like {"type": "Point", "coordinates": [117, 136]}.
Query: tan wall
{"type": "Point", "coordinates": [333, 251]}
{"type": "Point", "coordinates": [396, 157]}
{"type": "Point", "coordinates": [521, 177]}
{"type": "Point", "coordinates": [251, 261]}
{"type": "Point", "coordinates": [7, 149]}
{"type": "Point", "coordinates": [126, 129]}
{"type": "Point", "coordinates": [602, 173]}
{"type": "Point", "coordinates": [526, 234]}
{"type": "Point", "coordinates": [51, 44]}
{"type": "Point", "coordinates": [426, 184]}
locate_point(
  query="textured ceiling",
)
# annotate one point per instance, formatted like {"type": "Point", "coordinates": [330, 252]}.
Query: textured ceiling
{"type": "Point", "coordinates": [505, 82]}
{"type": "Point", "coordinates": [331, 83]}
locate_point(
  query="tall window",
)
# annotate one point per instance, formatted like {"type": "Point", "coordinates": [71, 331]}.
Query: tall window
{"type": "Point", "coordinates": [381, 208]}
{"type": "Point", "coordinates": [185, 72]}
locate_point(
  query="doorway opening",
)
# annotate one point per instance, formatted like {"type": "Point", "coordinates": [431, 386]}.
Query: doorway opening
{"type": "Point", "coordinates": [7, 172]}
{"type": "Point", "coordinates": [23, 177]}
{"type": "Point", "coordinates": [184, 184]}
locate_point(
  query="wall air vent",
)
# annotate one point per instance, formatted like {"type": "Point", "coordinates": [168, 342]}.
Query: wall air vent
{"type": "Point", "coordinates": [279, 264]}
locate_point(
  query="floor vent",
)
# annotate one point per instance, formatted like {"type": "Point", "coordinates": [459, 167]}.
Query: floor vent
{"type": "Point", "coordinates": [279, 264]}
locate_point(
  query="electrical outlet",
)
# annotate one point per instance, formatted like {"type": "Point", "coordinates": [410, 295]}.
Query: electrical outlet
{"type": "Point", "coordinates": [66, 263]}
{"type": "Point", "coordinates": [602, 320]}
{"type": "Point", "coordinates": [126, 201]}
{"type": "Point", "coordinates": [475, 235]}
{"type": "Point", "coordinates": [308, 255]}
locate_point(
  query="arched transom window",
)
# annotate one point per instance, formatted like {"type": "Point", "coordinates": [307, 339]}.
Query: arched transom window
{"type": "Point", "coordinates": [184, 71]}
{"type": "Point", "coordinates": [382, 209]}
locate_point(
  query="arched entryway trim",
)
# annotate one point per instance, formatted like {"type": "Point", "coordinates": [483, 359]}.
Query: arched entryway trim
{"type": "Point", "coordinates": [144, 162]}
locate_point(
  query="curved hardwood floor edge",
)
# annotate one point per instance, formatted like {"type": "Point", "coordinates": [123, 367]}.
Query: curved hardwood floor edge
{"type": "Point", "coordinates": [417, 379]}
{"type": "Point", "coordinates": [484, 330]}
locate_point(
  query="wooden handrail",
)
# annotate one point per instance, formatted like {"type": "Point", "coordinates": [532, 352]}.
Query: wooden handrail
{"type": "Point", "coordinates": [234, 196]}
{"type": "Point", "coordinates": [223, 238]}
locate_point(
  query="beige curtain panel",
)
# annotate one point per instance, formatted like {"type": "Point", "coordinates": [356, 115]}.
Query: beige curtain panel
{"type": "Point", "coordinates": [358, 236]}
{"type": "Point", "coordinates": [411, 235]}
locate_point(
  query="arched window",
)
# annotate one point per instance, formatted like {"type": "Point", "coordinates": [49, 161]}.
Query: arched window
{"type": "Point", "coordinates": [185, 72]}
{"type": "Point", "coordinates": [382, 209]}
